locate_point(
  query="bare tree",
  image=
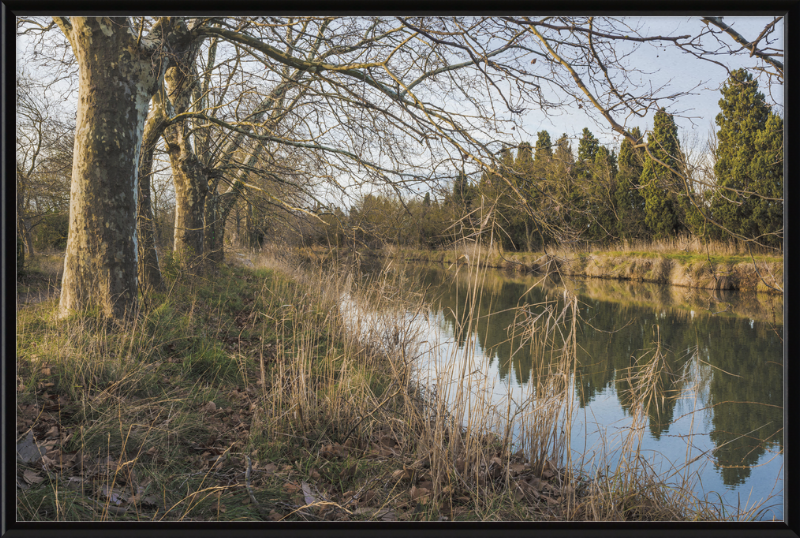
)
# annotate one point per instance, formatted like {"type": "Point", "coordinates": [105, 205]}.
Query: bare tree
{"type": "Point", "coordinates": [390, 101]}
{"type": "Point", "coordinates": [43, 157]}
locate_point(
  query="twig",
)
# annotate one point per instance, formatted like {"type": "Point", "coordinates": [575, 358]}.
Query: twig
{"type": "Point", "coordinates": [250, 490]}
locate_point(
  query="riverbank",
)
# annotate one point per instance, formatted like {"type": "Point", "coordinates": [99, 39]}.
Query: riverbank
{"type": "Point", "coordinates": [762, 274]}
{"type": "Point", "coordinates": [250, 394]}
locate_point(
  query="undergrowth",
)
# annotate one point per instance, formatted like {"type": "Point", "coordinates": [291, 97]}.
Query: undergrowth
{"type": "Point", "coordinates": [279, 393]}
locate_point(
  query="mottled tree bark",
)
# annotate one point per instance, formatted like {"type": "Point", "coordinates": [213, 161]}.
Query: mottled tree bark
{"type": "Point", "coordinates": [116, 82]}
{"type": "Point", "coordinates": [188, 173]}
{"type": "Point", "coordinates": [149, 271]}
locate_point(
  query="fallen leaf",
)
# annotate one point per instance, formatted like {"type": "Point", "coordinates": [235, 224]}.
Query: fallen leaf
{"type": "Point", "coordinates": [369, 512]}
{"type": "Point", "coordinates": [401, 474]}
{"type": "Point", "coordinates": [291, 488]}
{"type": "Point", "coordinates": [307, 496]}
{"type": "Point", "coordinates": [386, 515]}
{"type": "Point", "coordinates": [114, 495]}
{"type": "Point", "coordinates": [32, 478]}
{"type": "Point", "coordinates": [368, 497]}
{"type": "Point", "coordinates": [419, 493]}
{"type": "Point", "coordinates": [151, 500]}
{"type": "Point", "coordinates": [210, 407]}
{"type": "Point", "coordinates": [28, 451]}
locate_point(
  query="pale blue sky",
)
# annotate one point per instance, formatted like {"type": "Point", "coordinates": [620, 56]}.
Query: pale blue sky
{"type": "Point", "coordinates": [685, 71]}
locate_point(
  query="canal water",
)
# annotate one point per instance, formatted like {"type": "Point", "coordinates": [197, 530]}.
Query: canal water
{"type": "Point", "coordinates": [718, 418]}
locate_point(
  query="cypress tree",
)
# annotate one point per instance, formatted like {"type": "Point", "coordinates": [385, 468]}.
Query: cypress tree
{"type": "Point", "coordinates": [523, 223]}
{"type": "Point", "coordinates": [630, 202]}
{"type": "Point", "coordinates": [460, 189]}
{"type": "Point", "coordinates": [600, 196]}
{"type": "Point", "coordinates": [749, 157]}
{"type": "Point", "coordinates": [587, 150]}
{"type": "Point", "coordinates": [661, 211]}
{"type": "Point", "coordinates": [544, 150]}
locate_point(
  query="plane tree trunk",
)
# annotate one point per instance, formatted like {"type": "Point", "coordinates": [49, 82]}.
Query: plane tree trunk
{"type": "Point", "coordinates": [149, 270]}
{"type": "Point", "coordinates": [116, 83]}
{"type": "Point", "coordinates": [119, 72]}
{"type": "Point", "coordinates": [189, 175]}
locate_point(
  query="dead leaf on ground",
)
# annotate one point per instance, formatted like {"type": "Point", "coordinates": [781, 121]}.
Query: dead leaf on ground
{"type": "Point", "coordinates": [307, 496]}
{"type": "Point", "coordinates": [270, 469]}
{"type": "Point", "coordinates": [386, 514]}
{"type": "Point", "coordinates": [401, 474]}
{"type": "Point", "coordinates": [420, 494]}
{"type": "Point", "coordinates": [28, 451]}
{"type": "Point", "coordinates": [114, 495]}
{"type": "Point", "coordinates": [291, 488]}
{"type": "Point", "coordinates": [210, 407]}
{"type": "Point", "coordinates": [31, 477]}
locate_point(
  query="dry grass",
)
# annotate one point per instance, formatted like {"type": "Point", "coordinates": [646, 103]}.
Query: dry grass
{"type": "Point", "coordinates": [292, 391]}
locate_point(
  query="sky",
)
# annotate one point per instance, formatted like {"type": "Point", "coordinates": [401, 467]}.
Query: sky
{"type": "Point", "coordinates": [695, 113]}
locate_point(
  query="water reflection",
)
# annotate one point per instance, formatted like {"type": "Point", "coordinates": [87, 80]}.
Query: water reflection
{"type": "Point", "coordinates": [727, 346]}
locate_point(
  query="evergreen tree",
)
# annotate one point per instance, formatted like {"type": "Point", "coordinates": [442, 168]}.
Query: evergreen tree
{"type": "Point", "coordinates": [523, 222]}
{"type": "Point", "coordinates": [460, 189]}
{"type": "Point", "coordinates": [749, 157]}
{"type": "Point", "coordinates": [660, 184]}
{"type": "Point", "coordinates": [587, 150]}
{"type": "Point", "coordinates": [629, 199]}
{"type": "Point", "coordinates": [600, 196]}
{"type": "Point", "coordinates": [544, 150]}
{"type": "Point", "coordinates": [508, 204]}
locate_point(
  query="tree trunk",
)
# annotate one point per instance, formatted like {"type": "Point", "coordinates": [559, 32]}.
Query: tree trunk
{"type": "Point", "coordinates": [149, 270]}
{"type": "Point", "coordinates": [214, 229]}
{"type": "Point", "coordinates": [20, 256]}
{"type": "Point", "coordinates": [116, 83]}
{"type": "Point", "coordinates": [190, 194]}
{"type": "Point", "coordinates": [27, 235]}
{"type": "Point", "coordinates": [188, 173]}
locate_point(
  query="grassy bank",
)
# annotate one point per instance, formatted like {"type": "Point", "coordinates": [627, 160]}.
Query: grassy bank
{"type": "Point", "coordinates": [720, 270]}
{"type": "Point", "coordinates": [257, 394]}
